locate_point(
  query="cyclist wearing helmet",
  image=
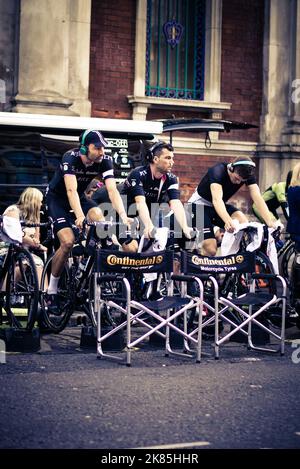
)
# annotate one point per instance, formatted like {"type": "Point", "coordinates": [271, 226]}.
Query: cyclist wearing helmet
{"type": "Point", "coordinates": [220, 183]}
{"type": "Point", "coordinates": [66, 192]}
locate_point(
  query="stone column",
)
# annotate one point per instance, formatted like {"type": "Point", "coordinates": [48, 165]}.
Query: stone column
{"type": "Point", "coordinates": [291, 134]}
{"type": "Point", "coordinates": [213, 51]}
{"type": "Point", "coordinates": [79, 56]}
{"type": "Point", "coordinates": [140, 109]}
{"type": "Point", "coordinates": [54, 57]}
{"type": "Point", "coordinates": [276, 86]}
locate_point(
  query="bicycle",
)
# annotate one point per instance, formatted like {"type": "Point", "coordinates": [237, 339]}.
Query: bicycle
{"type": "Point", "coordinates": [286, 255]}
{"type": "Point", "coordinates": [232, 285]}
{"type": "Point", "coordinates": [19, 289]}
{"type": "Point", "coordinates": [76, 283]}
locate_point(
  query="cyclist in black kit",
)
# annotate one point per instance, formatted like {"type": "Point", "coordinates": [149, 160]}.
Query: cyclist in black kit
{"type": "Point", "coordinates": [220, 183]}
{"type": "Point", "coordinates": [148, 186]}
{"type": "Point", "coordinates": [66, 192]}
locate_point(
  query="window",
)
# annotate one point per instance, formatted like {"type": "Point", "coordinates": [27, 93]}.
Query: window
{"type": "Point", "coordinates": [175, 49]}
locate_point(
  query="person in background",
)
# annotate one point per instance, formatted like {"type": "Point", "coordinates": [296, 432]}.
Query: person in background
{"type": "Point", "coordinates": [217, 186]}
{"type": "Point", "coordinates": [275, 196]}
{"type": "Point", "coordinates": [293, 197]}
{"type": "Point", "coordinates": [28, 209]}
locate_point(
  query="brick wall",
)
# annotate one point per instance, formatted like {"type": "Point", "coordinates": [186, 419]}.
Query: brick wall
{"type": "Point", "coordinates": [112, 57]}
{"type": "Point", "coordinates": [242, 52]}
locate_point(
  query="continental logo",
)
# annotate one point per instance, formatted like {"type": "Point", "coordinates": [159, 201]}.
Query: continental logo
{"type": "Point", "coordinates": [232, 260]}
{"type": "Point", "coordinates": [112, 259]}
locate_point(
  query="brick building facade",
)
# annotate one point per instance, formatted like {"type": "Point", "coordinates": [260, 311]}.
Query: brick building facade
{"type": "Point", "coordinates": [251, 62]}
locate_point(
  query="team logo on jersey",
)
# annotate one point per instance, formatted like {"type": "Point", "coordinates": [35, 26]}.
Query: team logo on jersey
{"type": "Point", "coordinates": [66, 167]}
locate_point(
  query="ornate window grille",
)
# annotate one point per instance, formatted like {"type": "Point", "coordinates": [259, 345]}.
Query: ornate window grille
{"type": "Point", "coordinates": [175, 49]}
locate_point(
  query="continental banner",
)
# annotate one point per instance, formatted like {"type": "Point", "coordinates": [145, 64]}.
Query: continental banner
{"type": "Point", "coordinates": [241, 262]}
{"type": "Point", "coordinates": [114, 261]}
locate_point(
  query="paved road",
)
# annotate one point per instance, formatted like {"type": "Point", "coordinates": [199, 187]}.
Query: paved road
{"type": "Point", "coordinates": [62, 397]}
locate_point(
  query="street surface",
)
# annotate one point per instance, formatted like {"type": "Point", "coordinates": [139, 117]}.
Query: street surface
{"type": "Point", "coordinates": [63, 397]}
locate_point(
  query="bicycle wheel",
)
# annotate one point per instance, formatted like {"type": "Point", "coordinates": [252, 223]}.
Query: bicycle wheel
{"type": "Point", "coordinates": [22, 290]}
{"type": "Point", "coordinates": [66, 291]}
{"type": "Point", "coordinates": [286, 263]}
{"type": "Point", "coordinates": [110, 316]}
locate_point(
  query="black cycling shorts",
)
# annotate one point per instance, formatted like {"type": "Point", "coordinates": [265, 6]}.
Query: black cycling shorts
{"type": "Point", "coordinates": [60, 211]}
{"type": "Point", "coordinates": [205, 218]}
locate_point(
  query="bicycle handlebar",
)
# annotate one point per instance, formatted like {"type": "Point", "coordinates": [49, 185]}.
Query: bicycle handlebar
{"type": "Point", "coordinates": [109, 224]}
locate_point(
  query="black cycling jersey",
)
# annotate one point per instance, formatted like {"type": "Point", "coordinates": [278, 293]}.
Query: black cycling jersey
{"type": "Point", "coordinates": [141, 181]}
{"type": "Point", "coordinates": [72, 164]}
{"type": "Point", "coordinates": [218, 174]}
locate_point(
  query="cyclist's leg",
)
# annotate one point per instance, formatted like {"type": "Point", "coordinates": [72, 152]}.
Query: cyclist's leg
{"type": "Point", "coordinates": [66, 239]}
{"type": "Point", "coordinates": [209, 245]}
{"type": "Point", "coordinates": [212, 219]}
{"type": "Point", "coordinates": [130, 246]}
{"type": "Point", "coordinates": [60, 213]}
{"type": "Point", "coordinates": [93, 213]}
{"type": "Point", "coordinates": [239, 216]}
{"type": "Point", "coordinates": [59, 210]}
{"type": "Point", "coordinates": [128, 243]}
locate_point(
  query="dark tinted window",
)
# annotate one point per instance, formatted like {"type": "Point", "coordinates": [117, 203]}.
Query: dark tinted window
{"type": "Point", "coordinates": [20, 164]}
{"type": "Point", "coordinates": [30, 159]}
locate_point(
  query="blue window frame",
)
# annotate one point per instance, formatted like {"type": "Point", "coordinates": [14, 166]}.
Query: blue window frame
{"type": "Point", "coordinates": [175, 49]}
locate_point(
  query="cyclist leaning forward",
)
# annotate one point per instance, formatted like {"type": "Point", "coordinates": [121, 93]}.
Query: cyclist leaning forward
{"type": "Point", "coordinates": [220, 183]}
{"type": "Point", "coordinates": [148, 186]}
{"type": "Point", "coordinates": [66, 192]}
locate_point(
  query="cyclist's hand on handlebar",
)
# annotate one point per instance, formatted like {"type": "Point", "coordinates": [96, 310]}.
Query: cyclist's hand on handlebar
{"type": "Point", "coordinates": [127, 220]}
{"type": "Point", "coordinates": [149, 231]}
{"type": "Point", "coordinates": [79, 222]}
{"type": "Point", "coordinates": [189, 233]}
{"type": "Point", "coordinates": [276, 224]}
{"type": "Point", "coordinates": [230, 225]}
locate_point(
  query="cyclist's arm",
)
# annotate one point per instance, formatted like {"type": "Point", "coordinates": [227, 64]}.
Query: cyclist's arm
{"type": "Point", "coordinates": [116, 199]}
{"type": "Point", "coordinates": [144, 214]}
{"type": "Point", "coordinates": [28, 239]}
{"type": "Point", "coordinates": [280, 192]}
{"type": "Point", "coordinates": [261, 205]}
{"type": "Point", "coordinates": [219, 206]}
{"type": "Point", "coordinates": [177, 207]}
{"type": "Point", "coordinates": [73, 197]}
